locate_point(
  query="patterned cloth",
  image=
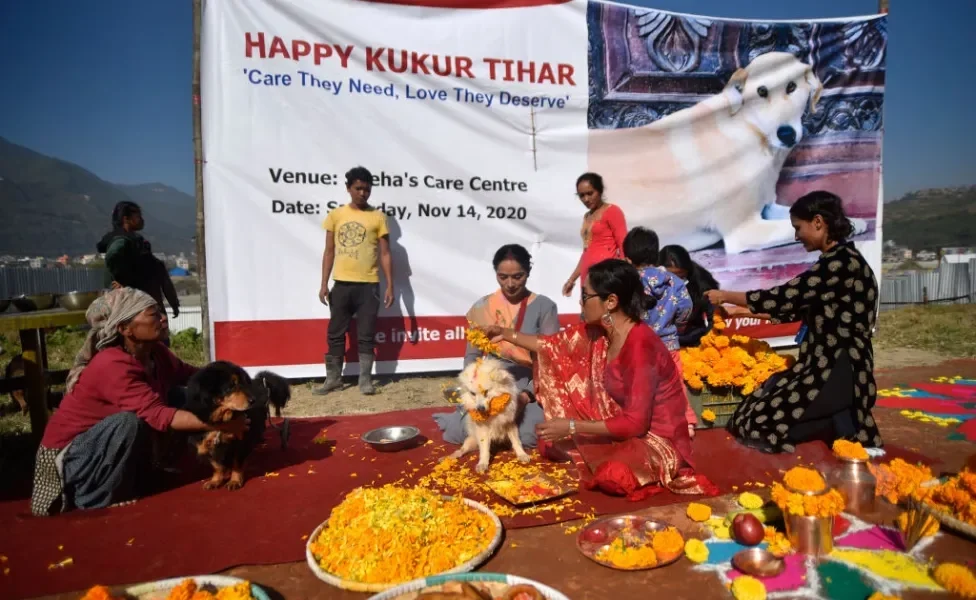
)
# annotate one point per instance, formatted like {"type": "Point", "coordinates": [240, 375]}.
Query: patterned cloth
{"type": "Point", "coordinates": [639, 395]}
{"type": "Point", "coordinates": [105, 315]}
{"type": "Point", "coordinates": [673, 304]}
{"type": "Point", "coordinates": [836, 299]}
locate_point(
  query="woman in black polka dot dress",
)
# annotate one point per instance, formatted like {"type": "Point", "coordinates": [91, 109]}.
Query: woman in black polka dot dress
{"type": "Point", "coordinates": [830, 391]}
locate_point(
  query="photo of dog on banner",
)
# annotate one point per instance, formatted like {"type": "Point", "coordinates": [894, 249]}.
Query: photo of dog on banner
{"type": "Point", "coordinates": [730, 178]}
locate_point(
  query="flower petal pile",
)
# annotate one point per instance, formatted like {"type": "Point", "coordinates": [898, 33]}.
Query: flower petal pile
{"type": "Point", "coordinates": [391, 535]}
{"type": "Point", "coordinates": [851, 450]}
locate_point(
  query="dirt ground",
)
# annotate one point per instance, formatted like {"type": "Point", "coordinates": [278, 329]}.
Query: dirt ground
{"type": "Point", "coordinates": [406, 392]}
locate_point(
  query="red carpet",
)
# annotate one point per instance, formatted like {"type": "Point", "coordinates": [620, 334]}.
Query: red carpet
{"type": "Point", "coordinates": [187, 530]}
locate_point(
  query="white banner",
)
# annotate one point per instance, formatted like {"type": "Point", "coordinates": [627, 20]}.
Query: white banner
{"type": "Point", "coordinates": [476, 123]}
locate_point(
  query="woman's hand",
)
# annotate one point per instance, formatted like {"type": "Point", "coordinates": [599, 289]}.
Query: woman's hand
{"type": "Point", "coordinates": [568, 287]}
{"type": "Point", "coordinates": [324, 293]}
{"type": "Point", "coordinates": [388, 297]}
{"type": "Point", "coordinates": [554, 430]}
{"type": "Point", "coordinates": [716, 297]}
{"type": "Point", "coordinates": [236, 427]}
{"type": "Point", "coordinates": [493, 332]}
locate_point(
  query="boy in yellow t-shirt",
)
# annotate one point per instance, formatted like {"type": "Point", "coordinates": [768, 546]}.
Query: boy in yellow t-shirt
{"type": "Point", "coordinates": [357, 245]}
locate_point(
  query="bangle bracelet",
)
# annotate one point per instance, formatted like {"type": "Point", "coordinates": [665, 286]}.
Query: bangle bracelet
{"type": "Point", "coordinates": [572, 427]}
{"type": "Point", "coordinates": [514, 336]}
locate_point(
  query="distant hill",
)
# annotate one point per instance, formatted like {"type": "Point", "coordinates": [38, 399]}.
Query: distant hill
{"type": "Point", "coordinates": [52, 207]}
{"type": "Point", "coordinates": [933, 218]}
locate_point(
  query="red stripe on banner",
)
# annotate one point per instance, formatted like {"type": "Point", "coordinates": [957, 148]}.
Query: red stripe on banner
{"type": "Point", "coordinates": [478, 4]}
{"type": "Point", "coordinates": [303, 342]}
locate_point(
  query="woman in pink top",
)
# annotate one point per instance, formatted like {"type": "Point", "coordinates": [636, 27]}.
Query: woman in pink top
{"type": "Point", "coordinates": [603, 232]}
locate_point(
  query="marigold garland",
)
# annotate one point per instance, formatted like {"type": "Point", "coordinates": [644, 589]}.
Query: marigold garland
{"type": "Point", "coordinates": [803, 479]}
{"type": "Point", "coordinates": [738, 362]}
{"type": "Point", "coordinates": [699, 512]}
{"type": "Point", "coordinates": [393, 534]}
{"type": "Point", "coordinates": [496, 406]}
{"type": "Point", "coordinates": [696, 551]}
{"type": "Point", "coordinates": [956, 579]}
{"type": "Point", "coordinates": [850, 450]}
{"type": "Point", "coordinates": [747, 587]}
{"type": "Point", "coordinates": [478, 340]}
{"type": "Point", "coordinates": [898, 479]}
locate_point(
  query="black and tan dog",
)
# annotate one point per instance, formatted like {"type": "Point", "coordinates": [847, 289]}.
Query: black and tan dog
{"type": "Point", "coordinates": [216, 394]}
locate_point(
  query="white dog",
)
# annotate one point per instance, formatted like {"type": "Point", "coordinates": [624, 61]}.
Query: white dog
{"type": "Point", "coordinates": [489, 394]}
{"type": "Point", "coordinates": [704, 174]}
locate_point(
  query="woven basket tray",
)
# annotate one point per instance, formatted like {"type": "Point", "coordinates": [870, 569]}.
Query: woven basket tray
{"type": "Point", "coordinates": [358, 586]}
{"type": "Point", "coordinates": [723, 405]}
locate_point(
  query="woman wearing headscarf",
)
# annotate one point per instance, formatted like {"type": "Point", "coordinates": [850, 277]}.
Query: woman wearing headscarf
{"type": "Point", "coordinates": [97, 448]}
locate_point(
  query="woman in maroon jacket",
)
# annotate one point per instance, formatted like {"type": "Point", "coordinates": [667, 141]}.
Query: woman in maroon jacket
{"type": "Point", "coordinates": [96, 450]}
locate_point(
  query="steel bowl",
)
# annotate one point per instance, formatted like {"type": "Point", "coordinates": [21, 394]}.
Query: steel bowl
{"type": "Point", "coordinates": [34, 302]}
{"type": "Point", "coordinates": [758, 562]}
{"type": "Point", "coordinates": [392, 439]}
{"type": "Point", "coordinates": [77, 300]}
{"type": "Point", "coordinates": [4, 304]}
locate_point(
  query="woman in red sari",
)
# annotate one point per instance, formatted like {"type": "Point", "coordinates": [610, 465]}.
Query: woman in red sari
{"type": "Point", "coordinates": [613, 400]}
{"type": "Point", "coordinates": [603, 231]}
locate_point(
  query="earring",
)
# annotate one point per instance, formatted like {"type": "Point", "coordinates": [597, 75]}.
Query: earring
{"type": "Point", "coordinates": [608, 319]}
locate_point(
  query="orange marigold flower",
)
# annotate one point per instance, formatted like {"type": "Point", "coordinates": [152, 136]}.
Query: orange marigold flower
{"type": "Point", "coordinates": [668, 543]}
{"type": "Point", "coordinates": [495, 407]}
{"type": "Point", "coordinates": [956, 579]}
{"type": "Point", "coordinates": [852, 450]}
{"type": "Point", "coordinates": [803, 479]}
{"type": "Point", "coordinates": [183, 591]}
{"type": "Point", "coordinates": [98, 592]}
{"type": "Point", "coordinates": [898, 479]}
{"type": "Point", "coordinates": [619, 554]}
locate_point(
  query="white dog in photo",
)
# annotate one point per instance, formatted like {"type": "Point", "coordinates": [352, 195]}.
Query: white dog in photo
{"type": "Point", "coordinates": [703, 174]}
{"type": "Point", "coordinates": [489, 394]}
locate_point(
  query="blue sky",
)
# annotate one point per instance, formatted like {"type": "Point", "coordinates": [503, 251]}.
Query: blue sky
{"type": "Point", "coordinates": [106, 83]}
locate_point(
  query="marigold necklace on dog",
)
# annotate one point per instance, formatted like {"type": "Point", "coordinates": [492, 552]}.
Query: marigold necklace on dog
{"type": "Point", "coordinates": [496, 406]}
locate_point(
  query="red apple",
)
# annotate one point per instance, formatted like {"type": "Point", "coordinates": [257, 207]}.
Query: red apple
{"type": "Point", "coordinates": [747, 530]}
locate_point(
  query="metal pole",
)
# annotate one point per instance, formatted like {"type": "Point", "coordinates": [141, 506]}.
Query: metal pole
{"type": "Point", "coordinates": [198, 176]}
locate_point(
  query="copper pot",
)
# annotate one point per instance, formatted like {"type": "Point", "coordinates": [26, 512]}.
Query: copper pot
{"type": "Point", "coordinates": [810, 536]}
{"type": "Point", "coordinates": [853, 479]}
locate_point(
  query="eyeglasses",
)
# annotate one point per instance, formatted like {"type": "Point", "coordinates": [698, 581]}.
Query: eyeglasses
{"type": "Point", "coordinates": [584, 297]}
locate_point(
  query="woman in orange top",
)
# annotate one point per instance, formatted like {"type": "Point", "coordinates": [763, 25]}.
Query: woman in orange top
{"type": "Point", "coordinates": [603, 232]}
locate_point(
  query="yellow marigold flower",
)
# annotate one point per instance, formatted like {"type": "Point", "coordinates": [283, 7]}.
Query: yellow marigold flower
{"type": "Point", "coordinates": [880, 596]}
{"type": "Point", "coordinates": [956, 579]}
{"type": "Point", "coordinates": [803, 479]}
{"type": "Point", "coordinates": [708, 415]}
{"type": "Point", "coordinates": [778, 543]}
{"type": "Point", "coordinates": [750, 500]}
{"type": "Point", "coordinates": [696, 551]}
{"type": "Point", "coordinates": [852, 450]}
{"type": "Point", "coordinates": [668, 543]}
{"type": "Point", "coordinates": [748, 588]}
{"type": "Point", "coordinates": [823, 505]}
{"type": "Point", "coordinates": [699, 512]}
{"type": "Point", "coordinates": [239, 591]}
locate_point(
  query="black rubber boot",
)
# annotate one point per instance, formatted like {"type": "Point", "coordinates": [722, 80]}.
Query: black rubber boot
{"type": "Point", "coordinates": [333, 376]}
{"type": "Point", "coordinates": [366, 375]}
